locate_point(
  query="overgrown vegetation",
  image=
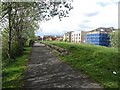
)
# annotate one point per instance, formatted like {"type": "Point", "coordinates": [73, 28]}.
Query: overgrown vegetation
{"type": "Point", "coordinates": [13, 71]}
{"type": "Point", "coordinates": [115, 39]}
{"type": "Point", "coordinates": [98, 62]}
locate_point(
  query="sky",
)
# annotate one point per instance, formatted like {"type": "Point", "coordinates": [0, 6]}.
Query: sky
{"type": "Point", "coordinates": [86, 15]}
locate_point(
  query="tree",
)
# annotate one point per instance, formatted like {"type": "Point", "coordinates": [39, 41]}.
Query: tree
{"type": "Point", "coordinates": [115, 39]}
{"type": "Point", "coordinates": [23, 17]}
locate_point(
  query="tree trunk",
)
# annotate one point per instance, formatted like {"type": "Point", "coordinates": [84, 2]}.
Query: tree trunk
{"type": "Point", "coordinates": [10, 31]}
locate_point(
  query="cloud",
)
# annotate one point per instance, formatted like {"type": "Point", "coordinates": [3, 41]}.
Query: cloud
{"type": "Point", "coordinates": [86, 15]}
{"type": "Point", "coordinates": [104, 3]}
{"type": "Point", "coordinates": [91, 14]}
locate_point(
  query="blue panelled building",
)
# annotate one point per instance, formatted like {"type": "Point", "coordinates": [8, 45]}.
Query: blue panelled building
{"type": "Point", "coordinates": [99, 36]}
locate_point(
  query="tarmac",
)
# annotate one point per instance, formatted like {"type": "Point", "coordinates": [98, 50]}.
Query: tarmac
{"type": "Point", "coordinates": [45, 70]}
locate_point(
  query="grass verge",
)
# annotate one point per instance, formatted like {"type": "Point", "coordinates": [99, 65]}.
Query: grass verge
{"type": "Point", "coordinates": [12, 73]}
{"type": "Point", "coordinates": [98, 62]}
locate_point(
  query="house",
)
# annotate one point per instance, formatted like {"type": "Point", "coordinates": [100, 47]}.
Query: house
{"type": "Point", "coordinates": [77, 37]}
{"type": "Point", "coordinates": [59, 38]}
{"type": "Point", "coordinates": [48, 37]}
{"type": "Point", "coordinates": [52, 38]}
{"type": "Point", "coordinates": [99, 36]}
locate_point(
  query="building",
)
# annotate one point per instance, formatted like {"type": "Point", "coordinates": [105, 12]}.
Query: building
{"type": "Point", "coordinates": [59, 38]}
{"type": "Point", "coordinates": [99, 36]}
{"type": "Point", "coordinates": [52, 38]}
{"type": "Point", "coordinates": [48, 37]}
{"type": "Point", "coordinates": [67, 36]}
{"type": "Point", "coordinates": [74, 36]}
{"type": "Point", "coordinates": [77, 37]}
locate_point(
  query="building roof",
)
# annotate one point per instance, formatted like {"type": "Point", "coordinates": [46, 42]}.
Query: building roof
{"type": "Point", "coordinates": [102, 29]}
{"type": "Point", "coordinates": [105, 29]}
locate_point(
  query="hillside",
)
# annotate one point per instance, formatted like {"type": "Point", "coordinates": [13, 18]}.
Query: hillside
{"type": "Point", "coordinates": [98, 62]}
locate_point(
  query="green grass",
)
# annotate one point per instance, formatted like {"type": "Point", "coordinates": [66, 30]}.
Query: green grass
{"type": "Point", "coordinates": [12, 73]}
{"type": "Point", "coordinates": [97, 62]}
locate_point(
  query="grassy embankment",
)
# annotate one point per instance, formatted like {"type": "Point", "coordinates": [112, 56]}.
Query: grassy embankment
{"type": "Point", "coordinates": [98, 62]}
{"type": "Point", "coordinates": [12, 73]}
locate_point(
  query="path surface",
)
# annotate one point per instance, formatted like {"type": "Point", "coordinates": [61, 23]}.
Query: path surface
{"type": "Point", "coordinates": [47, 71]}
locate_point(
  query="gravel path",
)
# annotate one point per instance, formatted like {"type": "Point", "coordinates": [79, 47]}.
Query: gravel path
{"type": "Point", "coordinates": [47, 71]}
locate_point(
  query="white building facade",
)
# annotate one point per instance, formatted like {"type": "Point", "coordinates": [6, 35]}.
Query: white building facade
{"type": "Point", "coordinates": [77, 37]}
{"type": "Point", "coordinates": [74, 36]}
{"type": "Point", "coordinates": [67, 36]}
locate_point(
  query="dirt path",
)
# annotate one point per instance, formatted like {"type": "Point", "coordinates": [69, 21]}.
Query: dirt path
{"type": "Point", "coordinates": [46, 71]}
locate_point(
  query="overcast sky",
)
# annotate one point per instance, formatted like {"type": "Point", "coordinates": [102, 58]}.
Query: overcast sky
{"type": "Point", "coordinates": [86, 15]}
